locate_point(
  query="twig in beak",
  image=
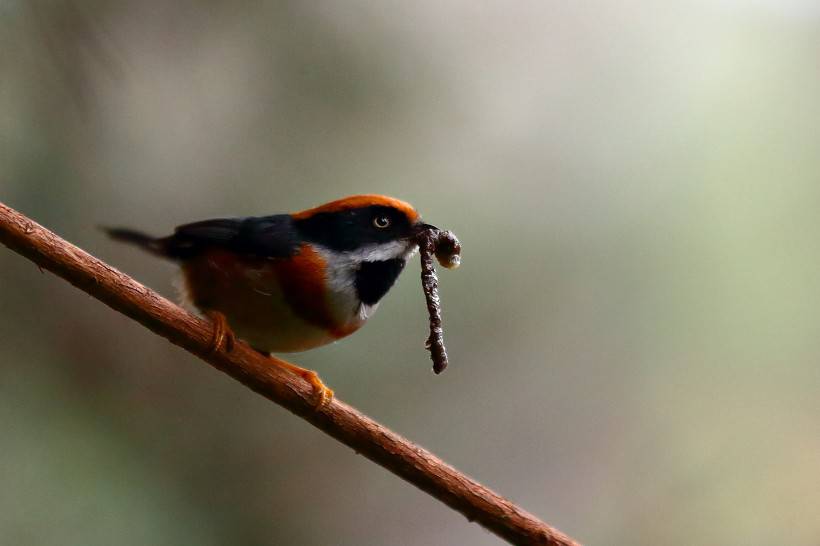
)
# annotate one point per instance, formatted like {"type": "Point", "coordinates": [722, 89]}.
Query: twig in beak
{"type": "Point", "coordinates": [447, 250]}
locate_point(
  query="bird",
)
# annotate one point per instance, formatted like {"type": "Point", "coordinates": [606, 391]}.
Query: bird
{"type": "Point", "coordinates": [291, 282]}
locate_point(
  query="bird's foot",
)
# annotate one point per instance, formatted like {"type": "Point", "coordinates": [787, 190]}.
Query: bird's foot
{"type": "Point", "coordinates": [223, 335]}
{"type": "Point", "coordinates": [323, 394]}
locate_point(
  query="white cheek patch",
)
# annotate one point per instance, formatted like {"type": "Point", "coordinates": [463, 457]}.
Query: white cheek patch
{"type": "Point", "coordinates": [380, 252]}
{"type": "Point", "coordinates": [410, 253]}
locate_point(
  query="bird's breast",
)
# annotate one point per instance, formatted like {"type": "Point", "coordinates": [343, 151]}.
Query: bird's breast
{"type": "Point", "coordinates": [277, 304]}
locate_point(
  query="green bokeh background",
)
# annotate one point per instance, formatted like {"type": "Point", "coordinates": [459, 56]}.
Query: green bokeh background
{"type": "Point", "coordinates": [633, 333]}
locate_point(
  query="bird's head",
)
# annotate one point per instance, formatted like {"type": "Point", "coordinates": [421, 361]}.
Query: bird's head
{"type": "Point", "coordinates": [364, 228]}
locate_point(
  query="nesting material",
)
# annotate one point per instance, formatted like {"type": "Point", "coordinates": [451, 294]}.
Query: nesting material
{"type": "Point", "coordinates": [445, 247]}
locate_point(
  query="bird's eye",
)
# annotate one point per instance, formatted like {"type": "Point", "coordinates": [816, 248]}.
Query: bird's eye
{"type": "Point", "coordinates": [381, 222]}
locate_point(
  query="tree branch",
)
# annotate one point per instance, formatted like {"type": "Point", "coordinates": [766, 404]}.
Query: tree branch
{"type": "Point", "coordinates": [398, 455]}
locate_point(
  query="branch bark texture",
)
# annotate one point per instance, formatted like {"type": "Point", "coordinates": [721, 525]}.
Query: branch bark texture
{"type": "Point", "coordinates": [344, 423]}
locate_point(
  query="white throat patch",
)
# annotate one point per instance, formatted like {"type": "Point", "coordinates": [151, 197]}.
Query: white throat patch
{"type": "Point", "coordinates": [341, 275]}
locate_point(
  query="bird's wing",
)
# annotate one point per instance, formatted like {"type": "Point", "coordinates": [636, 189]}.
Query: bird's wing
{"type": "Point", "coordinates": [263, 236]}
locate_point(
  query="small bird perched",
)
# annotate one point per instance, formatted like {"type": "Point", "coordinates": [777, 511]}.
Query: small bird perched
{"type": "Point", "coordinates": [292, 282]}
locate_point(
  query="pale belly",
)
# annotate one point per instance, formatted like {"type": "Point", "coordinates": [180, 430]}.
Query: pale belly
{"type": "Point", "coordinates": [271, 326]}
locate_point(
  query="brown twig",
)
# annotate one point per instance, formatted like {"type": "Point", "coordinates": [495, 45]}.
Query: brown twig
{"type": "Point", "coordinates": [365, 436]}
{"type": "Point", "coordinates": [447, 250]}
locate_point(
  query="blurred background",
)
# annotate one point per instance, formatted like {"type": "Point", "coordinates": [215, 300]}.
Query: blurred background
{"type": "Point", "coordinates": [633, 332]}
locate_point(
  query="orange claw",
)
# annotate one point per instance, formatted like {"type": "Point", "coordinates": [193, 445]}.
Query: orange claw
{"type": "Point", "coordinates": [323, 394]}
{"type": "Point", "coordinates": [223, 335]}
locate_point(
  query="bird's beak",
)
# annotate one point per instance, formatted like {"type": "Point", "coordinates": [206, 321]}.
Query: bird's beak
{"type": "Point", "coordinates": [421, 226]}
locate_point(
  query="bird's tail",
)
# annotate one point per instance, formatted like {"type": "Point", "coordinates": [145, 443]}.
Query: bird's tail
{"type": "Point", "coordinates": [144, 241]}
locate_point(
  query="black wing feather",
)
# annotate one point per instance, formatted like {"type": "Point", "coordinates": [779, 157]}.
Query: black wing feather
{"type": "Point", "coordinates": [263, 236]}
{"type": "Point", "coordinates": [267, 236]}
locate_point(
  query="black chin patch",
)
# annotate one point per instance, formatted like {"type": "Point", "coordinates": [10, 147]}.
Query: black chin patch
{"type": "Point", "coordinates": [374, 279]}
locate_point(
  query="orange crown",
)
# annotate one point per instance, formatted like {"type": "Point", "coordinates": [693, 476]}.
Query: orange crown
{"type": "Point", "coordinates": [360, 201]}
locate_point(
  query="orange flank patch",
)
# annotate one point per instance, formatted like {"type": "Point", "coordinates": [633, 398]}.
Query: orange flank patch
{"type": "Point", "coordinates": [302, 279]}
{"type": "Point", "coordinates": [219, 281]}
{"type": "Point", "coordinates": [361, 201]}
{"type": "Point", "coordinates": [278, 304]}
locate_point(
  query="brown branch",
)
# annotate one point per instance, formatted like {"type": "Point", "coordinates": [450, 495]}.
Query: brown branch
{"type": "Point", "coordinates": [398, 455]}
